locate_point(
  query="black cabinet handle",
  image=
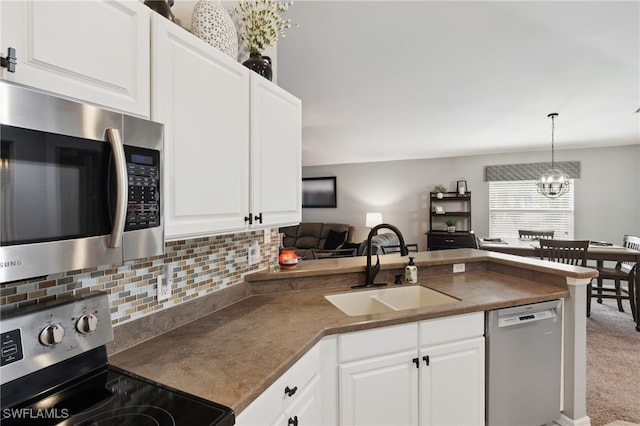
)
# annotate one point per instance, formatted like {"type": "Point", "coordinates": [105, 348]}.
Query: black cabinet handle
{"type": "Point", "coordinates": [290, 391]}
{"type": "Point", "coordinates": [10, 61]}
{"type": "Point", "coordinates": [258, 218]}
{"type": "Point", "coordinates": [293, 421]}
{"type": "Point", "coordinates": [426, 359]}
{"type": "Point", "coordinates": [417, 362]}
{"type": "Point", "coordinates": [249, 219]}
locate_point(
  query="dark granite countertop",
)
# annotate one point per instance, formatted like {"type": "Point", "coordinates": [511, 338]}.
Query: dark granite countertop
{"type": "Point", "coordinates": [232, 355]}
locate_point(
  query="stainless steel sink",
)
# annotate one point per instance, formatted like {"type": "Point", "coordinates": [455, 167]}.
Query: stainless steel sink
{"type": "Point", "coordinates": [389, 299]}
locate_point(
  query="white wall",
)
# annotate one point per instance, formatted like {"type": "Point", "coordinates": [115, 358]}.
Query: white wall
{"type": "Point", "coordinates": [607, 196]}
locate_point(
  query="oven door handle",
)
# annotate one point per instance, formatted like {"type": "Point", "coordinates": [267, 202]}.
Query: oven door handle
{"type": "Point", "coordinates": [113, 137]}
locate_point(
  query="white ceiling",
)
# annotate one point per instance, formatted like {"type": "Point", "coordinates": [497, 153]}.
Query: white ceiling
{"type": "Point", "coordinates": [391, 80]}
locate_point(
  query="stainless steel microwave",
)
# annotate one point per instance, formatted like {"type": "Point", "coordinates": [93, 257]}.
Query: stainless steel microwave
{"type": "Point", "coordinates": [80, 186]}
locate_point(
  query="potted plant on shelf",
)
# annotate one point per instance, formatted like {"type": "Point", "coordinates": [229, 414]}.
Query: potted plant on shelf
{"type": "Point", "coordinates": [451, 225]}
{"type": "Point", "coordinates": [261, 24]}
{"type": "Point", "coordinates": [439, 189]}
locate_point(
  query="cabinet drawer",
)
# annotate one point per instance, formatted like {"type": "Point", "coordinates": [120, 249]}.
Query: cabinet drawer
{"type": "Point", "coordinates": [376, 342]}
{"type": "Point", "coordinates": [449, 329]}
{"type": "Point", "coordinates": [300, 373]}
{"type": "Point", "coordinates": [446, 240]}
{"type": "Point", "coordinates": [273, 401]}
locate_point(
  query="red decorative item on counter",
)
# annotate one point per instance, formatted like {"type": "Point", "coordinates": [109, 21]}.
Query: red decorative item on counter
{"type": "Point", "coordinates": [288, 259]}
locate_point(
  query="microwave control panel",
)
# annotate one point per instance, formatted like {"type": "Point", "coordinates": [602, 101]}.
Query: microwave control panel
{"type": "Point", "coordinates": [143, 171]}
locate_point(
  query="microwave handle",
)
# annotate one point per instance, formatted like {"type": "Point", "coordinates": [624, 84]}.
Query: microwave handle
{"type": "Point", "coordinates": [113, 137]}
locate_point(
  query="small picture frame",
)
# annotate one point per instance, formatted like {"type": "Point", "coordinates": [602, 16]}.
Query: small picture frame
{"type": "Point", "coordinates": [461, 186]}
{"type": "Point", "coordinates": [439, 209]}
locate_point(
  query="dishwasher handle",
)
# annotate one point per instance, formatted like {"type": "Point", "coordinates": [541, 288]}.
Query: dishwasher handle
{"type": "Point", "coordinates": [525, 317]}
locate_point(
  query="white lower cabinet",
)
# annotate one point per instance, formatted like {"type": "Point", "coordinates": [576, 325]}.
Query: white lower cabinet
{"type": "Point", "coordinates": [306, 409]}
{"type": "Point", "coordinates": [452, 384]}
{"type": "Point", "coordinates": [427, 373]}
{"type": "Point", "coordinates": [302, 396]}
{"type": "Point", "coordinates": [380, 391]}
{"type": "Point", "coordinates": [452, 378]}
{"type": "Point", "coordinates": [378, 379]}
{"type": "Point", "coordinates": [424, 373]}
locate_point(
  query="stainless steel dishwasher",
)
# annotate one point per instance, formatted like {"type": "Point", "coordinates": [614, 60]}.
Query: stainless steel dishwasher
{"type": "Point", "coordinates": [524, 346]}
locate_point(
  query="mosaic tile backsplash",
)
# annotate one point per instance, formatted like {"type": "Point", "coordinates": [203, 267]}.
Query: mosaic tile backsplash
{"type": "Point", "coordinates": [200, 266]}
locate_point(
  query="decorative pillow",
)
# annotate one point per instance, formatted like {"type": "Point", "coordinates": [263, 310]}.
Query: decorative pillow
{"type": "Point", "coordinates": [334, 239]}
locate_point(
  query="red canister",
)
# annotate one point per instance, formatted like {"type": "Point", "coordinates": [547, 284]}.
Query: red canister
{"type": "Point", "coordinates": [288, 259]}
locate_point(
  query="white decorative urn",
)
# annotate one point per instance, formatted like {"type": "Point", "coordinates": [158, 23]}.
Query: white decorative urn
{"type": "Point", "coordinates": [213, 24]}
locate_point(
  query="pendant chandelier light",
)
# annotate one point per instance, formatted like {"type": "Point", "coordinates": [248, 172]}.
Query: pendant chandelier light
{"type": "Point", "coordinates": [553, 183]}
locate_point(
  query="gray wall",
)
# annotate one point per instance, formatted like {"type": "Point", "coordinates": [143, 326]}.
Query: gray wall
{"type": "Point", "coordinates": [607, 196]}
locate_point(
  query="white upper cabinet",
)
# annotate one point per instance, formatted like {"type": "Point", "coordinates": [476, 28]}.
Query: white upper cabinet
{"type": "Point", "coordinates": [232, 158]}
{"type": "Point", "coordinates": [92, 51]}
{"type": "Point", "coordinates": [276, 123]}
{"type": "Point", "coordinates": [202, 97]}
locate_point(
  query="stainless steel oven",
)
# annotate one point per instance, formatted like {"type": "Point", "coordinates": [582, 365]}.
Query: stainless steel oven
{"type": "Point", "coordinates": [55, 371]}
{"type": "Point", "coordinates": [80, 186]}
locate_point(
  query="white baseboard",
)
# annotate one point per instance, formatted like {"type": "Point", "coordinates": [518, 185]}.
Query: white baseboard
{"type": "Point", "coordinates": [566, 421]}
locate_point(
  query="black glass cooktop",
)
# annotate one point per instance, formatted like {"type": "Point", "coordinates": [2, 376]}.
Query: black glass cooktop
{"type": "Point", "coordinates": [116, 397]}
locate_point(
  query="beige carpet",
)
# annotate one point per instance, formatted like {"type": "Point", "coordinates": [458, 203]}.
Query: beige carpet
{"type": "Point", "coordinates": [613, 366]}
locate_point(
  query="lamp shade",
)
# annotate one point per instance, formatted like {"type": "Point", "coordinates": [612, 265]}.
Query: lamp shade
{"type": "Point", "coordinates": [373, 219]}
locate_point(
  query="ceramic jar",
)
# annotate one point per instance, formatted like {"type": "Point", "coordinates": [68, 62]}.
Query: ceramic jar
{"type": "Point", "coordinates": [163, 7]}
{"type": "Point", "coordinates": [259, 64]}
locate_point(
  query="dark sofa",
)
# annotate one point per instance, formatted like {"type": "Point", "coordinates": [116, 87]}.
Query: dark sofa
{"type": "Point", "coordinates": [315, 235]}
{"type": "Point", "coordinates": [305, 237]}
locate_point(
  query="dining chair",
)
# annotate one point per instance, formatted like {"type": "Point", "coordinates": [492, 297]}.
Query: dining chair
{"type": "Point", "coordinates": [534, 235]}
{"type": "Point", "coordinates": [569, 252]}
{"type": "Point", "coordinates": [327, 253]}
{"type": "Point", "coordinates": [396, 248]}
{"type": "Point", "coordinates": [623, 271]}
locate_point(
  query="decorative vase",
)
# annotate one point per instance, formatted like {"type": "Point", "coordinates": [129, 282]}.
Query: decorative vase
{"type": "Point", "coordinates": [288, 259]}
{"type": "Point", "coordinates": [451, 229]}
{"type": "Point", "coordinates": [439, 195]}
{"type": "Point", "coordinates": [212, 24]}
{"type": "Point", "coordinates": [259, 64]}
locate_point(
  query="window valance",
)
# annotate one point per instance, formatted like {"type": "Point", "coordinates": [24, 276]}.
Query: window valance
{"type": "Point", "coordinates": [528, 171]}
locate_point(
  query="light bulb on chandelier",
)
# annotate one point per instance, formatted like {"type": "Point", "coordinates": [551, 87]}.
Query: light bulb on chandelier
{"type": "Point", "coordinates": [553, 183]}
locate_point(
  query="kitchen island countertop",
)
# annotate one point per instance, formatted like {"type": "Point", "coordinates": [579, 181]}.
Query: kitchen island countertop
{"type": "Point", "coordinates": [232, 355]}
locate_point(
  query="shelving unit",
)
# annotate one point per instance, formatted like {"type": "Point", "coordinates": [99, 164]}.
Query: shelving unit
{"type": "Point", "coordinates": [451, 206]}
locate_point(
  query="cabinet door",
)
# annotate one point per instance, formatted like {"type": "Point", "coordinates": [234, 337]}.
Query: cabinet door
{"type": "Point", "coordinates": [94, 51]}
{"type": "Point", "coordinates": [275, 153]}
{"type": "Point", "coordinates": [452, 383]}
{"type": "Point", "coordinates": [380, 391]}
{"type": "Point", "coordinates": [202, 97]}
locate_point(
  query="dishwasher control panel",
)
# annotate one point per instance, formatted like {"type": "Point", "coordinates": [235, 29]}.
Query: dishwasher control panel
{"type": "Point", "coordinates": [520, 318]}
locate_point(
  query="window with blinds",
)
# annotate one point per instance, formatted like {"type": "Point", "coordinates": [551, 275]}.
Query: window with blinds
{"type": "Point", "coordinates": [516, 204]}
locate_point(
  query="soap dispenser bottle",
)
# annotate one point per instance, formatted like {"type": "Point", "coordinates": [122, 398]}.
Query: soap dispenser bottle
{"type": "Point", "coordinates": [411, 272]}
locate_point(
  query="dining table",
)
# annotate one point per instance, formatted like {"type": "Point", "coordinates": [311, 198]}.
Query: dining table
{"type": "Point", "coordinates": [598, 251]}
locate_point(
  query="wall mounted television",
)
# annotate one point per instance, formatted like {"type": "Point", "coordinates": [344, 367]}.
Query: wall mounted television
{"type": "Point", "coordinates": [319, 192]}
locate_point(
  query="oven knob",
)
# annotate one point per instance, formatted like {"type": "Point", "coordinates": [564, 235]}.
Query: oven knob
{"type": "Point", "coordinates": [87, 323]}
{"type": "Point", "coordinates": [51, 335]}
